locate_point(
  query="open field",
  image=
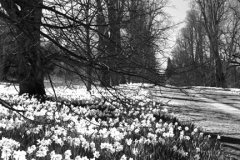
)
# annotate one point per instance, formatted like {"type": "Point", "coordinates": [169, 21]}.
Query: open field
{"type": "Point", "coordinates": [215, 110]}
{"type": "Point", "coordinates": [140, 122]}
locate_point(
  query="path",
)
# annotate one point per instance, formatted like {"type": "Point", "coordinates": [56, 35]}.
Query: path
{"type": "Point", "coordinates": [215, 112]}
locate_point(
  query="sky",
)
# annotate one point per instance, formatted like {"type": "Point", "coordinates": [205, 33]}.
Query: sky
{"type": "Point", "coordinates": [177, 9]}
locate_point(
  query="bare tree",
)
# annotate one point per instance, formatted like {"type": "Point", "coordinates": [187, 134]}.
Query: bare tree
{"type": "Point", "coordinates": [25, 16]}
{"type": "Point", "coordinates": [230, 43]}
{"type": "Point", "coordinates": [213, 12]}
{"type": "Point", "coordinates": [190, 57]}
{"type": "Point", "coordinates": [208, 46]}
{"type": "Point", "coordinates": [90, 37]}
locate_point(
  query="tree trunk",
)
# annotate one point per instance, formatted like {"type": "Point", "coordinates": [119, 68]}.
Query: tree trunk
{"type": "Point", "coordinates": [212, 12]}
{"type": "Point", "coordinates": [115, 79]}
{"type": "Point", "coordinates": [1, 67]}
{"type": "Point", "coordinates": [115, 11]}
{"type": "Point", "coordinates": [123, 79]}
{"type": "Point", "coordinates": [106, 78]}
{"type": "Point", "coordinates": [27, 14]}
{"type": "Point", "coordinates": [5, 67]}
{"type": "Point", "coordinates": [219, 76]}
{"type": "Point", "coordinates": [31, 72]}
{"type": "Point", "coordinates": [129, 79]}
{"type": "Point", "coordinates": [4, 64]}
{"type": "Point", "coordinates": [102, 45]}
{"type": "Point", "coordinates": [89, 78]}
{"type": "Point", "coordinates": [88, 47]}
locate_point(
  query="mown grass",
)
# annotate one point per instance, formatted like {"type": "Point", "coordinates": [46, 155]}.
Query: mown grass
{"type": "Point", "coordinates": [99, 128]}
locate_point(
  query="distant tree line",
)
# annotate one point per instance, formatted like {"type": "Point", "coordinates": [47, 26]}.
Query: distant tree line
{"type": "Point", "coordinates": [98, 41]}
{"type": "Point", "coordinates": [207, 49]}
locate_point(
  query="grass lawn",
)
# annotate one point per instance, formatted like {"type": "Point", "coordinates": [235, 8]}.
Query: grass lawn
{"type": "Point", "coordinates": [99, 125]}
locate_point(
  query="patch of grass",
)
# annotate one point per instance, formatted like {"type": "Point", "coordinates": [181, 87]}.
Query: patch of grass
{"type": "Point", "coordinates": [99, 128]}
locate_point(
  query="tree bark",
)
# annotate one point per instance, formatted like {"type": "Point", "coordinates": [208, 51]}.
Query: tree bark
{"type": "Point", "coordinates": [106, 78]}
{"type": "Point", "coordinates": [27, 14]}
{"type": "Point", "coordinates": [102, 45]}
{"type": "Point", "coordinates": [31, 74]}
{"type": "Point", "coordinates": [89, 78]}
{"type": "Point", "coordinates": [112, 46]}
{"type": "Point", "coordinates": [220, 80]}
{"type": "Point", "coordinates": [1, 64]}
{"type": "Point", "coordinates": [88, 49]}
{"type": "Point", "coordinates": [212, 12]}
{"type": "Point", "coordinates": [219, 76]}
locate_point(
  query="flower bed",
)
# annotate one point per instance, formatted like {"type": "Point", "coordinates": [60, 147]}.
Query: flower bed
{"type": "Point", "coordinates": [97, 127]}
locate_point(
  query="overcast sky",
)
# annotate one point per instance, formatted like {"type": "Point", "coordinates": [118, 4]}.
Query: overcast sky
{"type": "Point", "coordinates": [177, 10]}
